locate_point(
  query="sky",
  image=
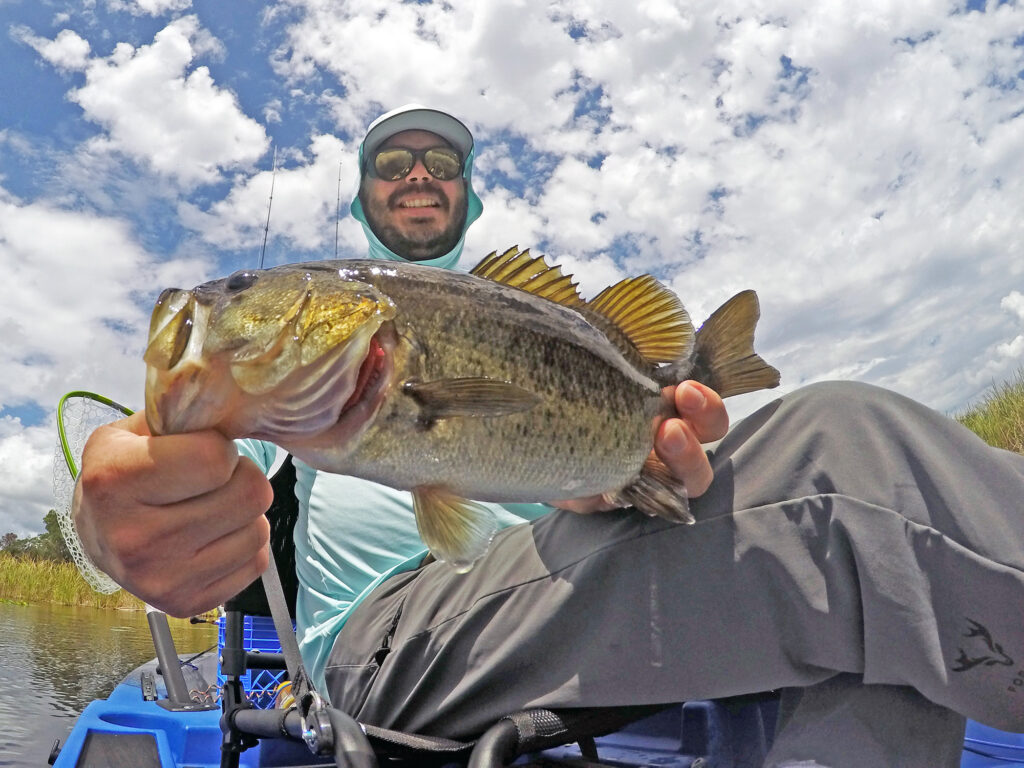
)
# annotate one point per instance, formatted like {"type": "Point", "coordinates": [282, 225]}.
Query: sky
{"type": "Point", "coordinates": [860, 165]}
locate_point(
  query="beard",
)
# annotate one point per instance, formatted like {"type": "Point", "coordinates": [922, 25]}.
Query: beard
{"type": "Point", "coordinates": [417, 244]}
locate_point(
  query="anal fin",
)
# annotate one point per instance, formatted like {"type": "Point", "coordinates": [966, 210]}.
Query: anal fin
{"type": "Point", "coordinates": [455, 530]}
{"type": "Point", "coordinates": [658, 493]}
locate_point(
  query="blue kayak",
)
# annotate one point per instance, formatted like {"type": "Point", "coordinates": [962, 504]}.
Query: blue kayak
{"type": "Point", "coordinates": [137, 726]}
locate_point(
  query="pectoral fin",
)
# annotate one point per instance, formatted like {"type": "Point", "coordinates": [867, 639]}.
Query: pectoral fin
{"type": "Point", "coordinates": [657, 493]}
{"type": "Point", "coordinates": [456, 530]}
{"type": "Point", "coordinates": [475, 396]}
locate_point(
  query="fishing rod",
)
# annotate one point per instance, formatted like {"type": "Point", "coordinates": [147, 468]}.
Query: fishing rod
{"type": "Point", "coordinates": [337, 212]}
{"type": "Point", "coordinates": [270, 203]}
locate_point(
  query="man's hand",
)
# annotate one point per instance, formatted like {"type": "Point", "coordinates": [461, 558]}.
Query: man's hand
{"type": "Point", "coordinates": [176, 520]}
{"type": "Point", "coordinates": [700, 418]}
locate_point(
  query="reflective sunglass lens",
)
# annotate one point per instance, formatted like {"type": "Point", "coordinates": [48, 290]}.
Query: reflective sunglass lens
{"type": "Point", "coordinates": [393, 164]}
{"type": "Point", "coordinates": [442, 164]}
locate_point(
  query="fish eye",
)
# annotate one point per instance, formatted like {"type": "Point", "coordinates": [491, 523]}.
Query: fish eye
{"type": "Point", "coordinates": [241, 280]}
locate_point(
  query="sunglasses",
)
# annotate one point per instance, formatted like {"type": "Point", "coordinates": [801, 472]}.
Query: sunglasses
{"type": "Point", "coordinates": [394, 163]}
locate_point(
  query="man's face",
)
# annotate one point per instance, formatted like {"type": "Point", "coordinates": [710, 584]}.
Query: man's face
{"type": "Point", "coordinates": [418, 217]}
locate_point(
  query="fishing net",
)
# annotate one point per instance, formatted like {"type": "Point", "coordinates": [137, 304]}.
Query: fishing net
{"type": "Point", "coordinates": [78, 414]}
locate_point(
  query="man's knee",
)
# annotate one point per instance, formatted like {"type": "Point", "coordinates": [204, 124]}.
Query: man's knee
{"type": "Point", "coordinates": [831, 394]}
{"type": "Point", "coordinates": [853, 403]}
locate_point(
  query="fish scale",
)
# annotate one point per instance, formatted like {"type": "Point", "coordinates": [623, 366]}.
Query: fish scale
{"type": "Point", "coordinates": [586, 398]}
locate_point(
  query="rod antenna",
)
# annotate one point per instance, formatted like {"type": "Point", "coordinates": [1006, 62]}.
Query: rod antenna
{"type": "Point", "coordinates": [270, 203]}
{"type": "Point", "coordinates": [337, 212]}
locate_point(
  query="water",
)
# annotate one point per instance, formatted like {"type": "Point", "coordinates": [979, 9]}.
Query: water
{"type": "Point", "coordinates": [56, 659]}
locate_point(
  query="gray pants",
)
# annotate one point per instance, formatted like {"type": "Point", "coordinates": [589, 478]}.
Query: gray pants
{"type": "Point", "coordinates": [857, 550]}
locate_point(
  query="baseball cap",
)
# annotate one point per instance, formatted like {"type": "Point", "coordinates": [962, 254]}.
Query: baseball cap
{"type": "Point", "coordinates": [413, 117]}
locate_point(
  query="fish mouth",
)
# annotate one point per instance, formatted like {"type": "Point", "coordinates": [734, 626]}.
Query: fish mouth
{"type": "Point", "coordinates": [339, 394]}
{"type": "Point", "coordinates": [370, 375]}
{"type": "Point", "coordinates": [356, 406]}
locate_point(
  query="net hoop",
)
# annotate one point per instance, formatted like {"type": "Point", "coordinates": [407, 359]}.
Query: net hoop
{"type": "Point", "coordinates": [78, 414]}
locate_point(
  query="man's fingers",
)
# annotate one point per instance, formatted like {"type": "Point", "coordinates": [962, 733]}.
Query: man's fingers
{"type": "Point", "coordinates": [702, 417]}
{"type": "Point", "coordinates": [208, 459]}
{"type": "Point", "coordinates": [703, 409]}
{"type": "Point", "coordinates": [587, 505]}
{"type": "Point", "coordinates": [246, 549]}
{"type": "Point", "coordinates": [175, 519]}
{"type": "Point", "coordinates": [237, 546]}
{"type": "Point", "coordinates": [196, 597]}
{"type": "Point", "coordinates": [678, 446]}
{"type": "Point", "coordinates": [184, 582]}
{"type": "Point", "coordinates": [227, 587]}
{"type": "Point", "coordinates": [184, 528]}
{"type": "Point", "coordinates": [224, 589]}
{"type": "Point", "coordinates": [237, 503]}
{"type": "Point", "coordinates": [147, 465]}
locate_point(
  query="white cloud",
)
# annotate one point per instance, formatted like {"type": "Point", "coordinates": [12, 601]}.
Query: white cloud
{"type": "Point", "coordinates": [26, 460]}
{"type": "Point", "coordinates": [507, 220]}
{"type": "Point", "coordinates": [18, 142]}
{"type": "Point", "coordinates": [74, 309]}
{"type": "Point", "coordinates": [1013, 349]}
{"type": "Point", "coordinates": [75, 304]}
{"type": "Point", "coordinates": [1014, 302]}
{"type": "Point", "coordinates": [148, 7]}
{"type": "Point", "coordinates": [157, 110]}
{"type": "Point", "coordinates": [67, 51]}
{"type": "Point", "coordinates": [73, 315]}
{"type": "Point", "coordinates": [302, 212]}
{"type": "Point", "coordinates": [457, 56]}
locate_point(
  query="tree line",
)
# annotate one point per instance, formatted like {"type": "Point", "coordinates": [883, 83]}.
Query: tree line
{"type": "Point", "coordinates": [46, 546]}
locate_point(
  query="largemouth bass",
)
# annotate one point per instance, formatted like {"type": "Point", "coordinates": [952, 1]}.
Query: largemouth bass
{"type": "Point", "coordinates": [502, 384]}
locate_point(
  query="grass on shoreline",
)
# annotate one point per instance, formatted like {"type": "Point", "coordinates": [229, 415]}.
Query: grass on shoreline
{"type": "Point", "coordinates": [999, 418]}
{"type": "Point", "coordinates": [23, 580]}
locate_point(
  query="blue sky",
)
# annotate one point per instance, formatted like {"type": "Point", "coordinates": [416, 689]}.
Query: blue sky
{"type": "Point", "coordinates": [860, 166]}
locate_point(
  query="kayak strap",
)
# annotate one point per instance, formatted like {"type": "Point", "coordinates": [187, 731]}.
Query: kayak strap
{"type": "Point", "coordinates": [278, 604]}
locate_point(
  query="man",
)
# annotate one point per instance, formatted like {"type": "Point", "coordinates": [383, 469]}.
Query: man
{"type": "Point", "coordinates": [421, 211]}
{"type": "Point", "coordinates": [848, 545]}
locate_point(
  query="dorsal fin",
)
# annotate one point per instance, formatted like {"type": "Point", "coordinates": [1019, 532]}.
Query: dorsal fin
{"type": "Point", "coordinates": [649, 315]}
{"type": "Point", "coordinates": [531, 274]}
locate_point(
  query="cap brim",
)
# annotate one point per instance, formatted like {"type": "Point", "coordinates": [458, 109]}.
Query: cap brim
{"type": "Point", "coordinates": [419, 119]}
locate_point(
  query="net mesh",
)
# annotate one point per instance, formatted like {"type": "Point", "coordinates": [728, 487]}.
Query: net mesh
{"type": "Point", "coordinates": [79, 413]}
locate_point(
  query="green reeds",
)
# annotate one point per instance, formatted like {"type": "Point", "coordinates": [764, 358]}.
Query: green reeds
{"type": "Point", "coordinates": [999, 418]}
{"type": "Point", "coordinates": [24, 580]}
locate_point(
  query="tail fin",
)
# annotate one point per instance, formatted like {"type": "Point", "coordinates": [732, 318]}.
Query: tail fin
{"type": "Point", "coordinates": [724, 357]}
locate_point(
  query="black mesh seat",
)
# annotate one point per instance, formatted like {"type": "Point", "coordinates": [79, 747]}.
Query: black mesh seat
{"type": "Point", "coordinates": [282, 515]}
